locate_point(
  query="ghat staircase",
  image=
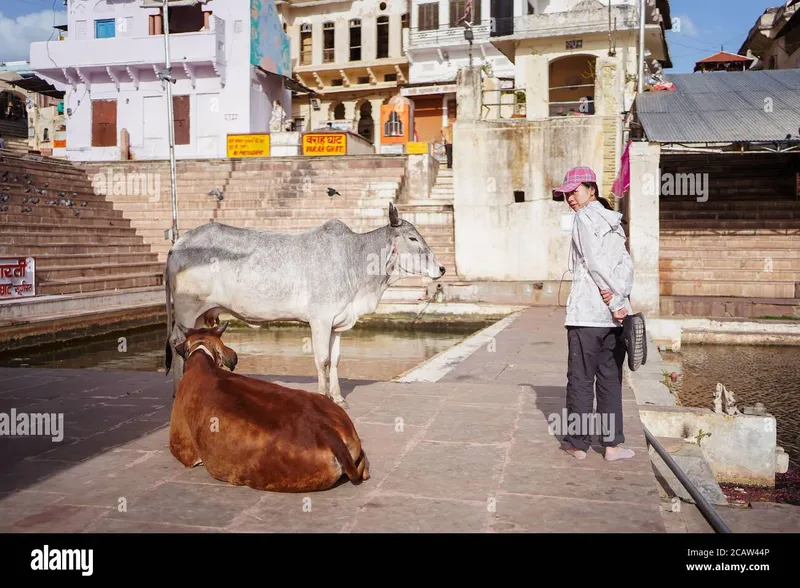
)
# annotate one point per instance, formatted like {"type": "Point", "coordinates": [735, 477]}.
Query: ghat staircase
{"type": "Point", "coordinates": [100, 251]}
{"type": "Point", "coordinates": [736, 254]}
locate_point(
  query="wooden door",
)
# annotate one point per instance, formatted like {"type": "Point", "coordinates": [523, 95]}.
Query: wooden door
{"type": "Point", "coordinates": [180, 112]}
{"type": "Point", "coordinates": [428, 118]}
{"type": "Point", "coordinates": [104, 123]}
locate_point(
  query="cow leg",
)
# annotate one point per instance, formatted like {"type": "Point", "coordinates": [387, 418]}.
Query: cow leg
{"type": "Point", "coordinates": [336, 394]}
{"type": "Point", "coordinates": [193, 316]}
{"type": "Point", "coordinates": [321, 340]}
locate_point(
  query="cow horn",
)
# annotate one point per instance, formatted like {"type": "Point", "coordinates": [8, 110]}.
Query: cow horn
{"type": "Point", "coordinates": [394, 220]}
{"type": "Point", "coordinates": [220, 329]}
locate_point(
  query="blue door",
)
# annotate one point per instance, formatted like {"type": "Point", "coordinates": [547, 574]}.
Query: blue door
{"type": "Point", "coordinates": [104, 29]}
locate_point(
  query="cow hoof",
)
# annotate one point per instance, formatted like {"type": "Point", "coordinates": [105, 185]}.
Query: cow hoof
{"type": "Point", "coordinates": [343, 403]}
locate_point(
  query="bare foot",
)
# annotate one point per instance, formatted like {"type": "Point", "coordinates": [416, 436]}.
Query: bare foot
{"type": "Point", "coordinates": [574, 451]}
{"type": "Point", "coordinates": [615, 453]}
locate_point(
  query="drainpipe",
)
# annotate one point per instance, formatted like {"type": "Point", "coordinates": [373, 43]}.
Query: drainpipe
{"type": "Point", "coordinates": [641, 46]}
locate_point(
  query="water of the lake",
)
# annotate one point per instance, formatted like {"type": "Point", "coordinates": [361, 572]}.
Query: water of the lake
{"type": "Point", "coordinates": [366, 353]}
{"type": "Point", "coordinates": [769, 374]}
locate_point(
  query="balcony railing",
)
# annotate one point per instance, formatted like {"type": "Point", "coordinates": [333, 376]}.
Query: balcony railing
{"type": "Point", "coordinates": [623, 17]}
{"type": "Point", "coordinates": [447, 36]}
{"type": "Point", "coordinates": [191, 48]}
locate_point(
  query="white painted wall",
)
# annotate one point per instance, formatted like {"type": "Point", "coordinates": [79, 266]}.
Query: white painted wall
{"type": "Point", "coordinates": [242, 105]}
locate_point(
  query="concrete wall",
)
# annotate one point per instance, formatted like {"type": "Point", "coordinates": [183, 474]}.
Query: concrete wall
{"type": "Point", "coordinates": [421, 172]}
{"type": "Point", "coordinates": [742, 449]}
{"type": "Point", "coordinates": [496, 237]}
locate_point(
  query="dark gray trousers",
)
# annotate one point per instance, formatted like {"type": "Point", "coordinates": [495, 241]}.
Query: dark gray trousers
{"type": "Point", "coordinates": [595, 354]}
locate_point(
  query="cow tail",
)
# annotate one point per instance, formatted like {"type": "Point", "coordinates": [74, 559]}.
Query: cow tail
{"type": "Point", "coordinates": [353, 471]}
{"type": "Point", "coordinates": [168, 347]}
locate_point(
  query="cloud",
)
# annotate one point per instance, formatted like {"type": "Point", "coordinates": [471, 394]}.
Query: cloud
{"type": "Point", "coordinates": [683, 25]}
{"type": "Point", "coordinates": [18, 33]}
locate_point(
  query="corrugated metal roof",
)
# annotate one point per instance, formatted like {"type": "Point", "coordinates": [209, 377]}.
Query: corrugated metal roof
{"type": "Point", "coordinates": [721, 107]}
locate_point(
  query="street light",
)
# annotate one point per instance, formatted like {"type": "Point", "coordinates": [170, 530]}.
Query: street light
{"type": "Point", "coordinates": [166, 76]}
{"type": "Point", "coordinates": [469, 36]}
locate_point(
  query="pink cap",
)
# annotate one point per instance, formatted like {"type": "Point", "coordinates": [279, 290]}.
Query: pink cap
{"type": "Point", "coordinates": [575, 177]}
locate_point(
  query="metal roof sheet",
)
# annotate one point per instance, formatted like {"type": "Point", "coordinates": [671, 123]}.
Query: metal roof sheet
{"type": "Point", "coordinates": [722, 107]}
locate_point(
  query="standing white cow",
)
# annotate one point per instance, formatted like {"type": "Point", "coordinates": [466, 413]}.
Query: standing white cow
{"type": "Point", "coordinates": [327, 277]}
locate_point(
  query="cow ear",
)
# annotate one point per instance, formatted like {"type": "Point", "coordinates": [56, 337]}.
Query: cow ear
{"type": "Point", "coordinates": [220, 329]}
{"type": "Point", "coordinates": [394, 219]}
{"type": "Point", "coordinates": [392, 258]}
{"type": "Point", "coordinates": [183, 330]}
{"type": "Point", "coordinates": [229, 358]}
{"type": "Point", "coordinates": [180, 349]}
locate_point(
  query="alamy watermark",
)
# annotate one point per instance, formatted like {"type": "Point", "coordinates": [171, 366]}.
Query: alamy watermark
{"type": "Point", "coordinates": [579, 425]}
{"type": "Point", "coordinates": [669, 184]}
{"type": "Point", "coordinates": [37, 424]}
{"type": "Point", "coordinates": [109, 183]}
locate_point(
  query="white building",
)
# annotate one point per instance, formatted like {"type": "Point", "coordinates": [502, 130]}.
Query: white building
{"type": "Point", "coordinates": [438, 48]}
{"type": "Point", "coordinates": [227, 75]}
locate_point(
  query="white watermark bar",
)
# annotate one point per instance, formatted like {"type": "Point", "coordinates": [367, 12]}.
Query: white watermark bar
{"type": "Point", "coordinates": [578, 425]}
{"type": "Point", "coordinates": [37, 424]}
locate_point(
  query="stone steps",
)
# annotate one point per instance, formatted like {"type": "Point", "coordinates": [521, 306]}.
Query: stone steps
{"type": "Point", "coordinates": [53, 273]}
{"type": "Point", "coordinates": [100, 283]}
{"type": "Point", "coordinates": [52, 260]}
{"type": "Point", "coordinates": [729, 242]}
{"type": "Point", "coordinates": [676, 260]}
{"type": "Point", "coordinates": [705, 273]}
{"type": "Point", "coordinates": [728, 205]}
{"type": "Point", "coordinates": [731, 215]}
{"type": "Point", "coordinates": [51, 228]}
{"type": "Point", "coordinates": [708, 224]}
{"type": "Point", "coordinates": [24, 239]}
{"type": "Point", "coordinates": [69, 248]}
{"type": "Point", "coordinates": [734, 288]}
{"type": "Point", "coordinates": [718, 306]}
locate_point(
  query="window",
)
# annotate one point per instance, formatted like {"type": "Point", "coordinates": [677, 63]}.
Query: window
{"type": "Point", "coordinates": [393, 127]}
{"type": "Point", "coordinates": [383, 36]}
{"type": "Point", "coordinates": [355, 40]}
{"type": "Point", "coordinates": [531, 7]}
{"type": "Point", "coordinates": [105, 29]}
{"type": "Point", "coordinates": [459, 12]}
{"type": "Point", "coordinates": [329, 41]}
{"type": "Point", "coordinates": [305, 44]}
{"type": "Point", "coordinates": [390, 77]}
{"type": "Point", "coordinates": [428, 15]}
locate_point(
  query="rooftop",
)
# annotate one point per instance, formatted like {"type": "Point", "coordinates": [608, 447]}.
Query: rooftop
{"type": "Point", "coordinates": [723, 107]}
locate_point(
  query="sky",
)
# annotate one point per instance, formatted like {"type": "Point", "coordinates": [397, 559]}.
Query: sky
{"type": "Point", "coordinates": [701, 28]}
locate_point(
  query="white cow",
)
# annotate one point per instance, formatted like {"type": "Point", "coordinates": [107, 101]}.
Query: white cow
{"type": "Point", "coordinates": [327, 277]}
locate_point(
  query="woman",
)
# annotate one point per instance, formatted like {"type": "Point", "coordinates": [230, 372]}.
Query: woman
{"type": "Point", "coordinates": [597, 305]}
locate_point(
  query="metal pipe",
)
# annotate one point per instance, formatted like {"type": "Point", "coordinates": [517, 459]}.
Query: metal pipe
{"type": "Point", "coordinates": [171, 123]}
{"type": "Point", "coordinates": [641, 46]}
{"type": "Point", "coordinates": [708, 511]}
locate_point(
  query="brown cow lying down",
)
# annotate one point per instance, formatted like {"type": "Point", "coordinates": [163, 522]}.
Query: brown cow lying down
{"type": "Point", "coordinates": [249, 432]}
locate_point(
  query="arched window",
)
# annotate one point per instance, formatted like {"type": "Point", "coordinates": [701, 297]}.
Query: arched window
{"type": "Point", "coordinates": [393, 127]}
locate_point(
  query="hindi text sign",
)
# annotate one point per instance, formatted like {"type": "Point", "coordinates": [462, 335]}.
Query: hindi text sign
{"type": "Point", "coordinates": [325, 144]}
{"type": "Point", "coordinates": [248, 145]}
{"type": "Point", "coordinates": [17, 277]}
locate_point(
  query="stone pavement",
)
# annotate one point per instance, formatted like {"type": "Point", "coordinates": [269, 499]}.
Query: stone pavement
{"type": "Point", "coordinates": [468, 453]}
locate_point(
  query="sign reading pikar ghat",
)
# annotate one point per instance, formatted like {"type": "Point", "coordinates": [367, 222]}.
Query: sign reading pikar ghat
{"type": "Point", "coordinates": [17, 277]}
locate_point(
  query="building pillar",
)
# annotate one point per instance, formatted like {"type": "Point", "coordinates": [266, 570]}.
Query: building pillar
{"type": "Point", "coordinates": [537, 87]}
{"type": "Point", "coordinates": [644, 226]}
{"type": "Point", "coordinates": [469, 93]}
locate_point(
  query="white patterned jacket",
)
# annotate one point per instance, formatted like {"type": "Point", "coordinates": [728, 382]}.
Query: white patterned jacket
{"type": "Point", "coordinates": [600, 261]}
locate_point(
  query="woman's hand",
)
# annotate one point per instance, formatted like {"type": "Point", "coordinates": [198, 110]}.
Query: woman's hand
{"type": "Point", "coordinates": [607, 295]}
{"type": "Point", "coordinates": [620, 314]}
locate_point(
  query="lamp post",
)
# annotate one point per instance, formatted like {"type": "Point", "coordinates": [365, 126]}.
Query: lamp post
{"type": "Point", "coordinates": [469, 36]}
{"type": "Point", "coordinates": [641, 45]}
{"type": "Point", "coordinates": [166, 77]}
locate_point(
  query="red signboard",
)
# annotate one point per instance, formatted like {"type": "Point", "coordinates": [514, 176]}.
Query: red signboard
{"type": "Point", "coordinates": [17, 277]}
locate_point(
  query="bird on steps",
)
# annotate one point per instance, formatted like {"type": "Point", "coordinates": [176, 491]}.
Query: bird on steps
{"type": "Point", "coordinates": [216, 192]}
{"type": "Point", "coordinates": [332, 192]}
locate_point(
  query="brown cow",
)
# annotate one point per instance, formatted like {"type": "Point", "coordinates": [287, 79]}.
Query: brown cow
{"type": "Point", "coordinates": [249, 432]}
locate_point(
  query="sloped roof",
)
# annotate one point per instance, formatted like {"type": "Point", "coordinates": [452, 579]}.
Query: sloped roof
{"type": "Point", "coordinates": [724, 57]}
{"type": "Point", "coordinates": [723, 107]}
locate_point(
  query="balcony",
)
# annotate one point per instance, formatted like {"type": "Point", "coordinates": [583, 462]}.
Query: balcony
{"type": "Point", "coordinates": [447, 37]}
{"type": "Point", "coordinates": [130, 59]}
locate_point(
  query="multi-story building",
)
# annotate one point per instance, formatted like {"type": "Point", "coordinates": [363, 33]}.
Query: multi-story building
{"type": "Point", "coordinates": [230, 66]}
{"type": "Point", "coordinates": [438, 46]}
{"type": "Point", "coordinates": [352, 55]}
{"type": "Point", "coordinates": [774, 40]}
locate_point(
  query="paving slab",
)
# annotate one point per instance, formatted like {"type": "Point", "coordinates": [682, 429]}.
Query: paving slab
{"type": "Point", "coordinates": [472, 451]}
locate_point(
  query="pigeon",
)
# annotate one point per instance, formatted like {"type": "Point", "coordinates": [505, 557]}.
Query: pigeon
{"type": "Point", "coordinates": [27, 209]}
{"type": "Point", "coordinates": [84, 203]}
{"type": "Point", "coordinates": [62, 194]}
{"type": "Point", "coordinates": [216, 192]}
{"type": "Point", "coordinates": [35, 201]}
{"type": "Point", "coordinates": [27, 190]}
{"type": "Point", "coordinates": [332, 192]}
{"type": "Point", "coordinates": [4, 198]}
{"type": "Point", "coordinates": [51, 203]}
{"type": "Point", "coordinates": [77, 212]}
{"type": "Point", "coordinates": [3, 208]}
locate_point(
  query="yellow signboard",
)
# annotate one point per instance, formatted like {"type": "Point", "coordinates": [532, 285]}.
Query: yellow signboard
{"type": "Point", "coordinates": [248, 145]}
{"type": "Point", "coordinates": [418, 148]}
{"type": "Point", "coordinates": [325, 144]}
